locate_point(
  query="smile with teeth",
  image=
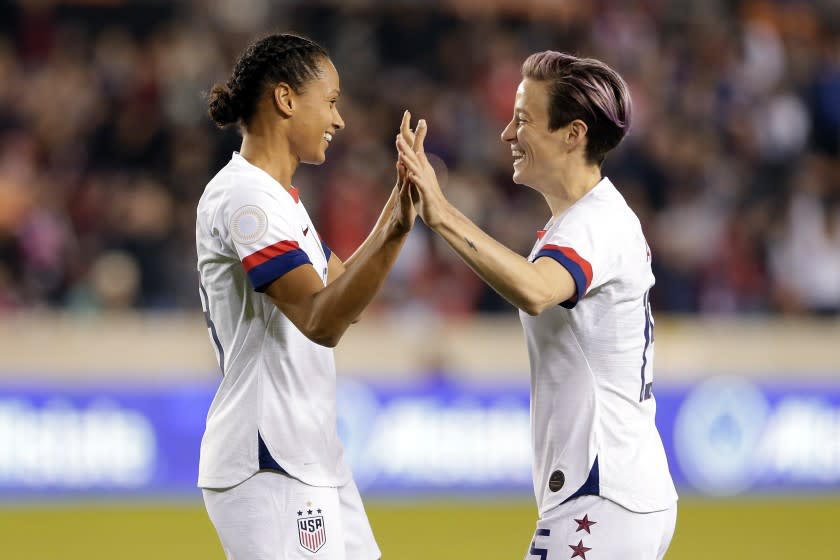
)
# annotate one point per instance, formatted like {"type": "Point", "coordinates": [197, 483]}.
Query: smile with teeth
{"type": "Point", "coordinates": [517, 155]}
{"type": "Point", "coordinates": [328, 137]}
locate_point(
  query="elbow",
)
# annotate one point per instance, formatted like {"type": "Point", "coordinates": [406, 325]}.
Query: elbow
{"type": "Point", "coordinates": [326, 335]}
{"type": "Point", "coordinates": [535, 306]}
{"type": "Point", "coordinates": [532, 309]}
{"type": "Point", "coordinates": [537, 299]}
{"type": "Point", "coordinates": [326, 341]}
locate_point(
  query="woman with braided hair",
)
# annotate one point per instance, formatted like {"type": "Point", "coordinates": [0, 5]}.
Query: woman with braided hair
{"type": "Point", "coordinates": [276, 300]}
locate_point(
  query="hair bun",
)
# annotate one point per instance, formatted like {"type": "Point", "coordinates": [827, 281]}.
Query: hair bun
{"type": "Point", "coordinates": [221, 106]}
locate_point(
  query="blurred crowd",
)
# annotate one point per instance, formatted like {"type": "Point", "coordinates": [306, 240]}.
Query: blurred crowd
{"type": "Point", "coordinates": [732, 164]}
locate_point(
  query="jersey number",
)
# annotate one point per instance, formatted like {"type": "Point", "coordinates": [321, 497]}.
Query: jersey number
{"type": "Point", "coordinates": [211, 328]}
{"type": "Point", "coordinates": [542, 553]}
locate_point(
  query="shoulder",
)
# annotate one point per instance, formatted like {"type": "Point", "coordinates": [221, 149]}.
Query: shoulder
{"type": "Point", "coordinates": [240, 202]}
{"type": "Point", "coordinates": [602, 231]}
{"type": "Point", "coordinates": [240, 189]}
{"type": "Point", "coordinates": [603, 212]}
{"type": "Point", "coordinates": [239, 181]}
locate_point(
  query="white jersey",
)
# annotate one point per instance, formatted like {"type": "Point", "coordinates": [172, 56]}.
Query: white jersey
{"type": "Point", "coordinates": [592, 408]}
{"type": "Point", "coordinates": [276, 404]}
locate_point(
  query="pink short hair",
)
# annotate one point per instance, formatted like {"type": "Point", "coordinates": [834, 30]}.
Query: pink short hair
{"type": "Point", "coordinates": [585, 89]}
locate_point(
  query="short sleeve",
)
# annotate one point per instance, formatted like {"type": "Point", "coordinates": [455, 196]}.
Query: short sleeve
{"type": "Point", "coordinates": [574, 244]}
{"type": "Point", "coordinates": [263, 236]}
{"type": "Point", "coordinates": [325, 247]}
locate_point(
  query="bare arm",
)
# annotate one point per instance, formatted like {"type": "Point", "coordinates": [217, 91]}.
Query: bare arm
{"type": "Point", "coordinates": [335, 268]}
{"type": "Point", "coordinates": [323, 313]}
{"type": "Point", "coordinates": [531, 287]}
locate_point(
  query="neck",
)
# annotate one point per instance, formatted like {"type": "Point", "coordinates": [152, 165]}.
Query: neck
{"type": "Point", "coordinates": [570, 185]}
{"type": "Point", "coordinates": [270, 151]}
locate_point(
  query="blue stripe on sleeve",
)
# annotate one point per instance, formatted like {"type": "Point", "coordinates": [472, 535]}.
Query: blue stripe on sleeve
{"type": "Point", "coordinates": [574, 269]}
{"type": "Point", "coordinates": [327, 251]}
{"type": "Point", "coordinates": [264, 274]}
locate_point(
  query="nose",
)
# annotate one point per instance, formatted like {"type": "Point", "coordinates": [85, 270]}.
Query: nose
{"type": "Point", "coordinates": [338, 122]}
{"type": "Point", "coordinates": [509, 133]}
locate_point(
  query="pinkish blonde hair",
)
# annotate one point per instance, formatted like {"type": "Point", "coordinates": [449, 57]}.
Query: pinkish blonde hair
{"type": "Point", "coordinates": [585, 89]}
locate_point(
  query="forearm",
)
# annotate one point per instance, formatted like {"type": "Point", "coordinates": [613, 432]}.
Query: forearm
{"type": "Point", "coordinates": [531, 287]}
{"type": "Point", "coordinates": [384, 224]}
{"type": "Point", "coordinates": [338, 305]}
{"type": "Point", "coordinates": [507, 272]}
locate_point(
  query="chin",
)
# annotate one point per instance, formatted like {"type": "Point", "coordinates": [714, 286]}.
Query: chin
{"type": "Point", "coordinates": [316, 159]}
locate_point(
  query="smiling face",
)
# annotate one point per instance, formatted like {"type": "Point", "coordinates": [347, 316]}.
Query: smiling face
{"type": "Point", "coordinates": [316, 118]}
{"type": "Point", "coordinates": [536, 150]}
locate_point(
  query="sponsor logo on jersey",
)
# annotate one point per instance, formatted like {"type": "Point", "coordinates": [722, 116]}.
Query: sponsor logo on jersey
{"type": "Point", "coordinates": [311, 531]}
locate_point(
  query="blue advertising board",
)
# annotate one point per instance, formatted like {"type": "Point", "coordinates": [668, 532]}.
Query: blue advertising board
{"type": "Point", "coordinates": [724, 436]}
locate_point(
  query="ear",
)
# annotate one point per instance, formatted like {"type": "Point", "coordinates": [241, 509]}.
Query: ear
{"type": "Point", "coordinates": [576, 133]}
{"type": "Point", "coordinates": [284, 99]}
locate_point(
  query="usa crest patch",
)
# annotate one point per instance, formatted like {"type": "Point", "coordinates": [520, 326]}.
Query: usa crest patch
{"type": "Point", "coordinates": [311, 531]}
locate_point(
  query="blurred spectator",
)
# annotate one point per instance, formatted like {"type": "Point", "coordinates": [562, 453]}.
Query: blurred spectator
{"type": "Point", "coordinates": [733, 162]}
{"type": "Point", "coordinates": [805, 250]}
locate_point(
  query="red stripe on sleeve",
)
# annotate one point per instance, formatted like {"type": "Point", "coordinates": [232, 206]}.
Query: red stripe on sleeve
{"type": "Point", "coordinates": [268, 253]}
{"type": "Point", "coordinates": [581, 262]}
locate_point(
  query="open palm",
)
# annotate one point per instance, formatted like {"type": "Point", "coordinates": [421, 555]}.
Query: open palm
{"type": "Point", "coordinates": [423, 184]}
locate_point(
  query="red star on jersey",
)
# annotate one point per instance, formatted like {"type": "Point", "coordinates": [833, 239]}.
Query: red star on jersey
{"type": "Point", "coordinates": [584, 524]}
{"type": "Point", "coordinates": [579, 550]}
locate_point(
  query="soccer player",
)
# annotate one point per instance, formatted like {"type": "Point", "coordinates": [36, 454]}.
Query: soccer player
{"type": "Point", "coordinates": [276, 300]}
{"type": "Point", "coordinates": [600, 473]}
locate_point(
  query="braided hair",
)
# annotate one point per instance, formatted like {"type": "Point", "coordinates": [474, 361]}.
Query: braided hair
{"type": "Point", "coordinates": [273, 59]}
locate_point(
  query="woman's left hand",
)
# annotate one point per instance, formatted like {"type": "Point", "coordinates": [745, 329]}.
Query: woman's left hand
{"type": "Point", "coordinates": [425, 191]}
{"type": "Point", "coordinates": [405, 212]}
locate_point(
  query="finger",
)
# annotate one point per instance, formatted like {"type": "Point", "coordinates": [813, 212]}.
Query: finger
{"type": "Point", "coordinates": [407, 156]}
{"type": "Point", "coordinates": [410, 161]}
{"type": "Point", "coordinates": [420, 136]}
{"type": "Point", "coordinates": [405, 127]}
{"type": "Point", "coordinates": [405, 151]}
{"type": "Point", "coordinates": [402, 173]}
{"type": "Point", "coordinates": [402, 170]}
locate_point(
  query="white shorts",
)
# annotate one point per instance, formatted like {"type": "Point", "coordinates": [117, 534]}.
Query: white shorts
{"type": "Point", "coordinates": [594, 528]}
{"type": "Point", "coordinates": [272, 516]}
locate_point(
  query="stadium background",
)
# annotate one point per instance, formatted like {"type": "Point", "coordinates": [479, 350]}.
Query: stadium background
{"type": "Point", "coordinates": [733, 165]}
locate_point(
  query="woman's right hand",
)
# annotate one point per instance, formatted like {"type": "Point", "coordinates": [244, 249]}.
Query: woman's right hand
{"type": "Point", "coordinates": [404, 209]}
{"type": "Point", "coordinates": [425, 191]}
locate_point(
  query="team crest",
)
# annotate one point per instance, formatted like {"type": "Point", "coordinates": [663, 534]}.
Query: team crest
{"type": "Point", "coordinates": [311, 531]}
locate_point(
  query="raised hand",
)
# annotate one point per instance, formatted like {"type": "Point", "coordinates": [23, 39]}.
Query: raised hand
{"type": "Point", "coordinates": [426, 195]}
{"type": "Point", "coordinates": [404, 206]}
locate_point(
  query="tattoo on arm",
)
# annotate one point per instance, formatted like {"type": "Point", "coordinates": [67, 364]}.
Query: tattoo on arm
{"type": "Point", "coordinates": [471, 244]}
